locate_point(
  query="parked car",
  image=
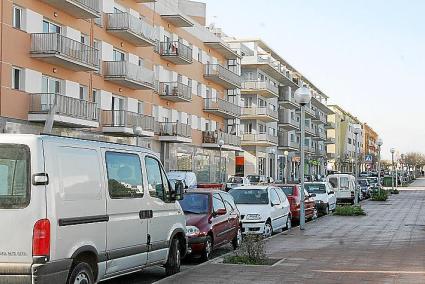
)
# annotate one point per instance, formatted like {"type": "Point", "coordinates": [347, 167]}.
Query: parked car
{"type": "Point", "coordinates": [373, 184]}
{"type": "Point", "coordinates": [293, 192]}
{"type": "Point", "coordinates": [235, 181]}
{"type": "Point", "coordinates": [80, 209]}
{"type": "Point", "coordinates": [344, 186]}
{"type": "Point", "coordinates": [364, 187]}
{"type": "Point", "coordinates": [264, 209]}
{"type": "Point", "coordinates": [325, 198]}
{"type": "Point", "coordinates": [212, 220]}
{"type": "Point", "coordinates": [257, 179]}
{"type": "Point", "coordinates": [188, 178]}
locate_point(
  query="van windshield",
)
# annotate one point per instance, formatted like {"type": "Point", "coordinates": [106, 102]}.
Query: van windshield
{"type": "Point", "coordinates": [14, 173]}
{"type": "Point", "coordinates": [334, 182]}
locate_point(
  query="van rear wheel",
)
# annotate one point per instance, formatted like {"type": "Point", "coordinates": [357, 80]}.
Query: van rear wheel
{"type": "Point", "coordinates": [81, 273]}
{"type": "Point", "coordinates": [174, 259]}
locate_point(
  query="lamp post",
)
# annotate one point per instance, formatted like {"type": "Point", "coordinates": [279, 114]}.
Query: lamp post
{"type": "Point", "coordinates": [402, 169]}
{"type": "Point", "coordinates": [302, 97]}
{"type": "Point", "coordinates": [392, 150]}
{"type": "Point", "coordinates": [356, 131]}
{"type": "Point", "coordinates": [379, 143]}
{"type": "Point", "coordinates": [285, 170]}
{"type": "Point", "coordinates": [220, 144]}
{"type": "Point", "coordinates": [272, 166]}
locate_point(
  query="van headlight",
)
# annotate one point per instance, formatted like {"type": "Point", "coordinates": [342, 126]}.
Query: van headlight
{"type": "Point", "coordinates": [253, 217]}
{"type": "Point", "coordinates": [192, 231]}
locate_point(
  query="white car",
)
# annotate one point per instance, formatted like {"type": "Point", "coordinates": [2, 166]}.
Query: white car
{"type": "Point", "coordinates": [264, 209]}
{"type": "Point", "coordinates": [344, 186]}
{"type": "Point", "coordinates": [324, 196]}
{"type": "Point", "coordinates": [79, 211]}
{"type": "Point", "coordinates": [235, 181]}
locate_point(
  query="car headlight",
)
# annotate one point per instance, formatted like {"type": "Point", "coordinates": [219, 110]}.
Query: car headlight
{"type": "Point", "coordinates": [319, 201]}
{"type": "Point", "coordinates": [253, 217]}
{"type": "Point", "coordinates": [192, 231]}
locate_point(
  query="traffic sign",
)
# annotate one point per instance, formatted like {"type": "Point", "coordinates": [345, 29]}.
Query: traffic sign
{"type": "Point", "coordinates": [368, 158]}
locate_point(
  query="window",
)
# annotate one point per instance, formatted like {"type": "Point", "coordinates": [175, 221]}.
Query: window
{"type": "Point", "coordinates": [228, 201]}
{"type": "Point", "coordinates": [157, 180]}
{"type": "Point", "coordinates": [17, 17]}
{"type": "Point", "coordinates": [96, 97]}
{"type": "Point", "coordinates": [349, 140]}
{"type": "Point", "coordinates": [49, 27]}
{"type": "Point", "coordinates": [140, 107]}
{"type": "Point", "coordinates": [200, 55]}
{"type": "Point", "coordinates": [124, 175]}
{"type": "Point", "coordinates": [17, 78]}
{"type": "Point", "coordinates": [218, 203]}
{"type": "Point", "coordinates": [274, 198]}
{"type": "Point", "coordinates": [344, 182]}
{"type": "Point", "coordinates": [199, 89]}
{"type": "Point", "coordinates": [85, 39]}
{"type": "Point", "coordinates": [118, 55]}
{"type": "Point", "coordinates": [83, 93]}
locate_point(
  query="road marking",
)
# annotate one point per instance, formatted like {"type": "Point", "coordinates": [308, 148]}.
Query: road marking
{"type": "Point", "coordinates": [372, 271]}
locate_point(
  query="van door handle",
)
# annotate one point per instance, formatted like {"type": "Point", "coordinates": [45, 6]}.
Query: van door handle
{"type": "Point", "coordinates": [145, 214]}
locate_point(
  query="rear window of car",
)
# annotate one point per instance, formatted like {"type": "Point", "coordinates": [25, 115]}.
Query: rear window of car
{"type": "Point", "coordinates": [195, 203]}
{"type": "Point", "coordinates": [253, 178]}
{"type": "Point", "coordinates": [14, 176]}
{"type": "Point", "coordinates": [334, 182]}
{"type": "Point", "coordinates": [288, 190]}
{"type": "Point", "coordinates": [235, 180]}
{"type": "Point", "coordinates": [363, 182]}
{"type": "Point", "coordinates": [315, 188]}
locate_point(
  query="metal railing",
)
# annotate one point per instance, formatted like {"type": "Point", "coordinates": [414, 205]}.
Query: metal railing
{"type": "Point", "coordinates": [222, 105]}
{"type": "Point", "coordinates": [260, 111]}
{"type": "Point", "coordinates": [285, 118]}
{"type": "Point", "coordinates": [223, 73]}
{"type": "Point", "coordinates": [213, 137]}
{"type": "Point", "coordinates": [287, 97]}
{"type": "Point", "coordinates": [127, 119]}
{"type": "Point", "coordinates": [175, 89]}
{"type": "Point", "coordinates": [41, 103]}
{"type": "Point", "coordinates": [130, 71]}
{"type": "Point", "coordinates": [54, 43]}
{"type": "Point", "coordinates": [260, 85]}
{"type": "Point", "coordinates": [175, 48]}
{"type": "Point", "coordinates": [126, 21]}
{"type": "Point", "coordinates": [92, 5]}
{"type": "Point", "coordinates": [260, 137]}
{"type": "Point", "coordinates": [174, 129]}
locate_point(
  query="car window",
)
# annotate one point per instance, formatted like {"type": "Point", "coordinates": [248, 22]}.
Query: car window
{"type": "Point", "coordinates": [157, 181]}
{"type": "Point", "coordinates": [218, 202]}
{"type": "Point", "coordinates": [288, 190]}
{"type": "Point", "coordinates": [334, 182]}
{"type": "Point", "coordinates": [250, 196]}
{"type": "Point", "coordinates": [235, 180]}
{"type": "Point", "coordinates": [253, 178]}
{"type": "Point", "coordinates": [274, 198]}
{"type": "Point", "coordinates": [315, 188]}
{"type": "Point", "coordinates": [282, 195]}
{"type": "Point", "coordinates": [228, 201]}
{"type": "Point", "coordinates": [195, 203]}
{"type": "Point", "coordinates": [344, 182]}
{"type": "Point", "coordinates": [124, 175]}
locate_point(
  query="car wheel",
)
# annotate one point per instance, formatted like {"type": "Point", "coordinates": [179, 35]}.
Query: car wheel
{"type": "Point", "coordinates": [237, 240]}
{"type": "Point", "coordinates": [314, 217]}
{"type": "Point", "coordinates": [268, 229]}
{"type": "Point", "coordinates": [81, 273]}
{"type": "Point", "coordinates": [289, 223]}
{"type": "Point", "coordinates": [206, 253]}
{"type": "Point", "coordinates": [174, 259]}
{"type": "Point", "coordinates": [327, 210]}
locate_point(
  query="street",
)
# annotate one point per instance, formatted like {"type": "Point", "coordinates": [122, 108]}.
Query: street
{"type": "Point", "coordinates": [386, 246]}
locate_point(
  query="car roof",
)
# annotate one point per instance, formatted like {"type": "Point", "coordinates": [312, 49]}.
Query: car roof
{"type": "Point", "coordinates": [205, 190]}
{"type": "Point", "coordinates": [254, 187]}
{"type": "Point", "coordinates": [285, 184]}
{"type": "Point", "coordinates": [316, 182]}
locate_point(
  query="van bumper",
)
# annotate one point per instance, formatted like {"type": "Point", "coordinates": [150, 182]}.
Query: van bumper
{"type": "Point", "coordinates": [23, 273]}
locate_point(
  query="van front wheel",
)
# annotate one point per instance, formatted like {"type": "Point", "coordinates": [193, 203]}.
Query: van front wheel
{"type": "Point", "coordinates": [174, 258]}
{"type": "Point", "coordinates": [81, 274]}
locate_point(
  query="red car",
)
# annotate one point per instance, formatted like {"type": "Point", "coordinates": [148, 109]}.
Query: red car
{"type": "Point", "coordinates": [293, 193]}
{"type": "Point", "coordinates": [212, 220]}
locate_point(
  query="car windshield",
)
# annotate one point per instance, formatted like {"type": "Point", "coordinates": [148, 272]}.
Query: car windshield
{"type": "Point", "coordinates": [363, 182]}
{"type": "Point", "coordinates": [253, 178]}
{"type": "Point", "coordinates": [315, 188]}
{"type": "Point", "coordinates": [373, 180]}
{"type": "Point", "coordinates": [250, 196]}
{"type": "Point", "coordinates": [235, 180]}
{"type": "Point", "coordinates": [195, 203]}
{"type": "Point", "coordinates": [289, 190]}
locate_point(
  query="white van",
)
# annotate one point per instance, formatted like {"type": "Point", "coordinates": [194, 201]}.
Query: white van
{"type": "Point", "coordinates": [78, 211]}
{"type": "Point", "coordinates": [344, 186]}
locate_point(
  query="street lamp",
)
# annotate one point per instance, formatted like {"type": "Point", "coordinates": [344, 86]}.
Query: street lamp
{"type": "Point", "coordinates": [379, 143]}
{"type": "Point", "coordinates": [402, 169]}
{"type": "Point", "coordinates": [392, 150]}
{"type": "Point", "coordinates": [302, 97]}
{"type": "Point", "coordinates": [285, 171]}
{"type": "Point", "coordinates": [272, 166]}
{"type": "Point", "coordinates": [356, 132]}
{"type": "Point", "coordinates": [220, 144]}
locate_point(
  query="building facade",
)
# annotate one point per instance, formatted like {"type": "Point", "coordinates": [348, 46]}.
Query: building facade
{"type": "Point", "coordinates": [370, 148]}
{"type": "Point", "coordinates": [140, 72]}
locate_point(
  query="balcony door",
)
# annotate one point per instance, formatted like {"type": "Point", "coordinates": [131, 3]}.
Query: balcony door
{"type": "Point", "coordinates": [49, 88]}
{"type": "Point", "coordinates": [118, 107]}
{"type": "Point", "coordinates": [118, 55]}
{"type": "Point", "coordinates": [49, 27]}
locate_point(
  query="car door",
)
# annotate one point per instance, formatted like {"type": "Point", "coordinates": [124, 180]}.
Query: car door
{"type": "Point", "coordinates": [126, 230]}
{"type": "Point", "coordinates": [277, 214]}
{"type": "Point", "coordinates": [220, 223]}
{"type": "Point", "coordinates": [232, 216]}
{"type": "Point", "coordinates": [285, 204]}
{"type": "Point", "coordinates": [309, 204]}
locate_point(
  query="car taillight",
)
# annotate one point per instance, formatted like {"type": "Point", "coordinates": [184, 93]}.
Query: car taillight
{"type": "Point", "coordinates": [41, 238]}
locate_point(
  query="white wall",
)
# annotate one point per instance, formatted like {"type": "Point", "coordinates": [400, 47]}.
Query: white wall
{"type": "Point", "coordinates": [34, 22]}
{"type": "Point", "coordinates": [108, 6]}
{"type": "Point", "coordinates": [133, 58]}
{"type": "Point", "coordinates": [72, 89]}
{"type": "Point", "coordinates": [105, 100]}
{"type": "Point", "coordinates": [107, 51]}
{"type": "Point", "coordinates": [72, 33]}
{"type": "Point", "coordinates": [32, 80]}
{"type": "Point", "coordinates": [132, 105]}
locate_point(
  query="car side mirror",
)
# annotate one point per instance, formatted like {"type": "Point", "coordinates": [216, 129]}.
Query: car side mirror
{"type": "Point", "coordinates": [331, 192]}
{"type": "Point", "coordinates": [178, 191]}
{"type": "Point", "coordinates": [313, 195]}
{"type": "Point", "coordinates": [274, 204]}
{"type": "Point", "coordinates": [220, 212]}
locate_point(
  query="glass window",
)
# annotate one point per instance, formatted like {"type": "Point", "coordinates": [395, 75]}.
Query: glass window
{"type": "Point", "coordinates": [274, 198]}
{"type": "Point", "coordinates": [228, 201]}
{"type": "Point", "coordinates": [14, 176]}
{"type": "Point", "coordinates": [250, 196]}
{"type": "Point", "coordinates": [124, 175]}
{"type": "Point", "coordinates": [16, 78]}
{"type": "Point", "coordinates": [118, 55]}
{"type": "Point", "coordinates": [17, 17]}
{"type": "Point", "coordinates": [49, 27]}
{"type": "Point", "coordinates": [316, 188]}
{"type": "Point", "coordinates": [334, 182]}
{"type": "Point", "coordinates": [157, 181]}
{"type": "Point", "coordinates": [195, 203]}
{"type": "Point", "coordinates": [288, 190]}
{"type": "Point", "coordinates": [344, 182]}
{"type": "Point", "coordinates": [217, 202]}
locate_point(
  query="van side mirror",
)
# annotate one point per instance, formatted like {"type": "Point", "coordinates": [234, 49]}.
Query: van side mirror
{"type": "Point", "coordinates": [312, 194]}
{"type": "Point", "coordinates": [178, 191]}
{"type": "Point", "coordinates": [331, 192]}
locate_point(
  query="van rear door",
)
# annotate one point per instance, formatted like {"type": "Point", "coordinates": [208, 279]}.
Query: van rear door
{"type": "Point", "coordinates": [21, 204]}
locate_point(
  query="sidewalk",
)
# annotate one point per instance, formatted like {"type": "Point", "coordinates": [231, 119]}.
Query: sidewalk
{"type": "Point", "coordinates": [386, 246]}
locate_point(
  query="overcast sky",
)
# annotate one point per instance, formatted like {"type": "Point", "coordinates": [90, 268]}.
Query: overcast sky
{"type": "Point", "coordinates": [368, 56]}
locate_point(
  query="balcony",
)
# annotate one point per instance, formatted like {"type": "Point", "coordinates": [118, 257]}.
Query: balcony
{"type": "Point", "coordinates": [128, 75]}
{"type": "Point", "coordinates": [262, 88]}
{"type": "Point", "coordinates": [309, 112]}
{"type": "Point", "coordinates": [175, 52]}
{"type": "Point", "coordinates": [286, 121]}
{"type": "Point", "coordinates": [309, 131]}
{"type": "Point", "coordinates": [331, 155]}
{"type": "Point", "coordinates": [222, 76]}
{"type": "Point", "coordinates": [68, 111]}
{"type": "Point", "coordinates": [177, 20]}
{"type": "Point", "coordinates": [319, 117]}
{"type": "Point", "coordinates": [285, 143]}
{"type": "Point", "coordinates": [175, 92]}
{"type": "Point", "coordinates": [319, 153]}
{"type": "Point", "coordinates": [265, 114]}
{"type": "Point", "coordinates": [223, 48]}
{"type": "Point", "coordinates": [131, 29]}
{"type": "Point", "coordinates": [80, 9]}
{"type": "Point", "coordinates": [65, 52]}
{"type": "Point", "coordinates": [175, 132]}
{"type": "Point", "coordinates": [330, 140]}
{"type": "Point", "coordinates": [261, 139]}
{"type": "Point", "coordinates": [288, 101]}
{"type": "Point", "coordinates": [330, 125]}
{"type": "Point", "coordinates": [122, 122]}
{"type": "Point", "coordinates": [210, 139]}
{"type": "Point", "coordinates": [222, 108]}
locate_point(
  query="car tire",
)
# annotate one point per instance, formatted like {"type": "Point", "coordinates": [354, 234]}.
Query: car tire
{"type": "Point", "coordinates": [268, 229]}
{"type": "Point", "coordinates": [81, 273]}
{"type": "Point", "coordinates": [327, 210]}
{"type": "Point", "coordinates": [206, 253]}
{"type": "Point", "coordinates": [315, 214]}
{"type": "Point", "coordinates": [237, 240]}
{"type": "Point", "coordinates": [288, 223]}
{"type": "Point", "coordinates": [174, 258]}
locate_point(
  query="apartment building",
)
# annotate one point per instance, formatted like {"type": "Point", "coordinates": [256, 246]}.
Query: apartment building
{"type": "Point", "coordinates": [370, 148]}
{"type": "Point", "coordinates": [341, 141]}
{"type": "Point", "coordinates": [140, 72]}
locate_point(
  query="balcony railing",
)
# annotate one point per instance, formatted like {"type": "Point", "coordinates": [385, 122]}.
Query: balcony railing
{"type": "Point", "coordinates": [286, 121]}
{"type": "Point", "coordinates": [260, 138]}
{"type": "Point", "coordinates": [261, 113]}
{"type": "Point", "coordinates": [213, 137]}
{"type": "Point", "coordinates": [41, 103]}
{"type": "Point", "coordinates": [222, 76]}
{"type": "Point", "coordinates": [175, 129]}
{"type": "Point", "coordinates": [288, 100]}
{"type": "Point", "coordinates": [265, 88]}
{"type": "Point", "coordinates": [64, 51]}
{"type": "Point", "coordinates": [330, 125]}
{"type": "Point", "coordinates": [175, 91]}
{"type": "Point", "coordinates": [176, 52]}
{"type": "Point", "coordinates": [80, 9]}
{"type": "Point", "coordinates": [222, 107]}
{"type": "Point", "coordinates": [320, 116]}
{"type": "Point", "coordinates": [127, 119]}
{"type": "Point", "coordinates": [131, 28]}
{"type": "Point", "coordinates": [128, 74]}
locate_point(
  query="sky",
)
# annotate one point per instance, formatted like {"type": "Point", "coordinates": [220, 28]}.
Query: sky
{"type": "Point", "coordinates": [368, 56]}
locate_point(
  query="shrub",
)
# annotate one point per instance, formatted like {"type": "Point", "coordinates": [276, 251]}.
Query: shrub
{"type": "Point", "coordinates": [381, 195]}
{"type": "Point", "coordinates": [355, 210]}
{"type": "Point", "coordinates": [252, 251]}
{"type": "Point", "coordinates": [395, 191]}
